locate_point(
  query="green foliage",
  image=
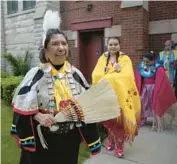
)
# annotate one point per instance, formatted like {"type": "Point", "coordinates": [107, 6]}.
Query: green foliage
{"type": "Point", "coordinates": [20, 65]}
{"type": "Point", "coordinates": [8, 86]}
{"type": "Point", "coordinates": [83, 153]}
{"type": "Point", "coordinates": [8, 144]}
{"type": "Point", "coordinates": [4, 74]}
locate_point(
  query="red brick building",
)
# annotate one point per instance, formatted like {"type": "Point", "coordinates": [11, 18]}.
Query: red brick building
{"type": "Point", "coordinates": [141, 26]}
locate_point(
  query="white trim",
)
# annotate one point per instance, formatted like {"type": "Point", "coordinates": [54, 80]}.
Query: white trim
{"type": "Point", "coordinates": [163, 26]}
{"type": "Point", "coordinates": [20, 13]}
{"type": "Point", "coordinates": [20, 10]}
{"type": "Point", "coordinates": [20, 6]}
{"type": "Point", "coordinates": [174, 37]}
{"type": "Point", "coordinates": [113, 31]}
{"type": "Point", "coordinates": [127, 4]}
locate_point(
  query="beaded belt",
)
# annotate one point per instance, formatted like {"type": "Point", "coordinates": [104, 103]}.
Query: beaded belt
{"type": "Point", "coordinates": [60, 128]}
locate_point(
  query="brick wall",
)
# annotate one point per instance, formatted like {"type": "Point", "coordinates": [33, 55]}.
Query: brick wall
{"type": "Point", "coordinates": [157, 41]}
{"type": "Point", "coordinates": [134, 23]}
{"type": "Point", "coordinates": [77, 11]}
{"type": "Point", "coordinates": [134, 38]}
{"type": "Point", "coordinates": [73, 53]}
{"type": "Point", "coordinates": [162, 10]}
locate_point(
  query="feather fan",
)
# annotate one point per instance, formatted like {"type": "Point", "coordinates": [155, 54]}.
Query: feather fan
{"type": "Point", "coordinates": [97, 104]}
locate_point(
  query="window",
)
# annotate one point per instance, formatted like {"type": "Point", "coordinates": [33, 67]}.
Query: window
{"type": "Point", "coordinates": [12, 7]}
{"type": "Point", "coordinates": [29, 4]}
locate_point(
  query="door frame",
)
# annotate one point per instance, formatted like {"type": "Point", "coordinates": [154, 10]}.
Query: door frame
{"type": "Point", "coordinates": [79, 42]}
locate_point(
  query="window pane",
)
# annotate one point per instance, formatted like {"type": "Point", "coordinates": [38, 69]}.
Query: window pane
{"type": "Point", "coordinates": [12, 7]}
{"type": "Point", "coordinates": [29, 4]}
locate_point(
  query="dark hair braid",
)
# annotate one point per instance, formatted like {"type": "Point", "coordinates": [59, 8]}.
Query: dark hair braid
{"type": "Point", "coordinates": [107, 62]}
{"type": "Point", "coordinates": [117, 56]}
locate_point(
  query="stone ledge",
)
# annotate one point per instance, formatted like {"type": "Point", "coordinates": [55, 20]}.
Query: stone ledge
{"type": "Point", "coordinates": [39, 14]}
{"type": "Point", "coordinates": [21, 13]}
{"type": "Point", "coordinates": [127, 4]}
{"type": "Point", "coordinates": [163, 26]}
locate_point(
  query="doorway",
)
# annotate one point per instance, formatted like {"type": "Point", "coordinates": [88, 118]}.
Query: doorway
{"type": "Point", "coordinates": [91, 47]}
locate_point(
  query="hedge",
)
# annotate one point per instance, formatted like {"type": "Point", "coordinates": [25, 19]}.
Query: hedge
{"type": "Point", "coordinates": [4, 74]}
{"type": "Point", "coordinates": [8, 86]}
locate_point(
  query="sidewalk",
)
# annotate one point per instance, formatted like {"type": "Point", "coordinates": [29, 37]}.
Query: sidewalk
{"type": "Point", "coordinates": [149, 148]}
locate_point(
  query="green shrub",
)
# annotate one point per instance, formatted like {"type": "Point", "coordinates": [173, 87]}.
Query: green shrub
{"type": "Point", "coordinates": [8, 86]}
{"type": "Point", "coordinates": [20, 64]}
{"type": "Point", "coordinates": [4, 74]}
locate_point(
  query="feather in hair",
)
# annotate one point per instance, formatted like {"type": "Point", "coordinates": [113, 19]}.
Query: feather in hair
{"type": "Point", "coordinates": [51, 20]}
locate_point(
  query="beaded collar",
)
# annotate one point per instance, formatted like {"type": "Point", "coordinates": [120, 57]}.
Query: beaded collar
{"type": "Point", "coordinates": [148, 71]}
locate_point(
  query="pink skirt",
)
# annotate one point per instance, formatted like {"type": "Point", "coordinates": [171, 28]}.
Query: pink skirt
{"type": "Point", "coordinates": [147, 100]}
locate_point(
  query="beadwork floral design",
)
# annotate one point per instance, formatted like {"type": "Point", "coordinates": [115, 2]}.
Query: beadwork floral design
{"type": "Point", "coordinates": [132, 92]}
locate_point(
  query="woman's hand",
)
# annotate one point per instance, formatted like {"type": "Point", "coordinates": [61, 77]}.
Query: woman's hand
{"type": "Point", "coordinates": [44, 119]}
{"type": "Point", "coordinates": [117, 67]}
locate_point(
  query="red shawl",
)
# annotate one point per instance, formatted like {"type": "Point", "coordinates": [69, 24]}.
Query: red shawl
{"type": "Point", "coordinates": [164, 96]}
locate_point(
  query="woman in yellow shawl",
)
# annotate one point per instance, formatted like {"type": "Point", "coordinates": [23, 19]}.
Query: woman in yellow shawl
{"type": "Point", "coordinates": [116, 67]}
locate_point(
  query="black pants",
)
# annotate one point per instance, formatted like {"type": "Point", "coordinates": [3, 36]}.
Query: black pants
{"type": "Point", "coordinates": [62, 149]}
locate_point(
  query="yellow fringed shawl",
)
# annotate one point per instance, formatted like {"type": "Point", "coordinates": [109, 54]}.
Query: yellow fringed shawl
{"type": "Point", "coordinates": [125, 88]}
{"type": "Point", "coordinates": [61, 90]}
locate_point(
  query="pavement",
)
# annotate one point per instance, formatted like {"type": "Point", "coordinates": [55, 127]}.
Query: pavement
{"type": "Point", "coordinates": [149, 147]}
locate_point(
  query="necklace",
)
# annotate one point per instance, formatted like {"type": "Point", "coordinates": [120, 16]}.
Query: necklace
{"type": "Point", "coordinates": [148, 71]}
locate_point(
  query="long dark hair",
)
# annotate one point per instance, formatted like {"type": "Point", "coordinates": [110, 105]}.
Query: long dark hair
{"type": "Point", "coordinates": [149, 55]}
{"type": "Point", "coordinates": [42, 48]}
{"type": "Point", "coordinates": [117, 55]}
